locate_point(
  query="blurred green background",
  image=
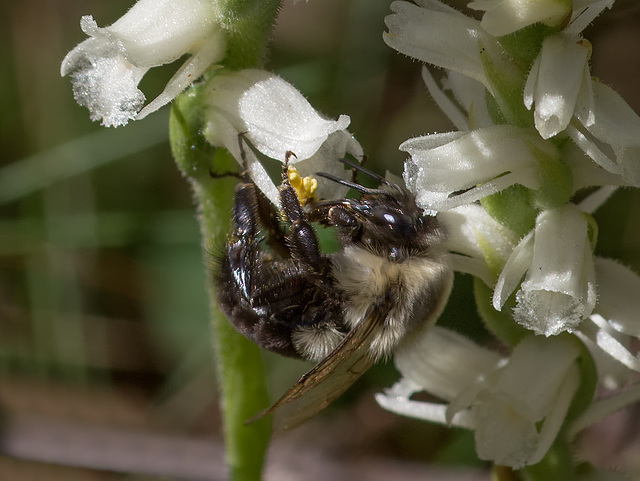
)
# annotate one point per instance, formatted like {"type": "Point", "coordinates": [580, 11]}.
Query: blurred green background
{"type": "Point", "coordinates": [106, 369]}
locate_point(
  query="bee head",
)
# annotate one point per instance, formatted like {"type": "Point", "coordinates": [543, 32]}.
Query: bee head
{"type": "Point", "coordinates": [386, 221]}
{"type": "Point", "coordinates": [391, 224]}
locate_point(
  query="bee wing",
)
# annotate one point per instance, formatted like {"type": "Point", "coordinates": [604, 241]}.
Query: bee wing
{"type": "Point", "coordinates": [316, 389]}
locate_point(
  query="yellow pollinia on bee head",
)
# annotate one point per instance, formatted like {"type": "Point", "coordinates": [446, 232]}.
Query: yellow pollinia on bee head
{"type": "Point", "coordinates": [305, 186]}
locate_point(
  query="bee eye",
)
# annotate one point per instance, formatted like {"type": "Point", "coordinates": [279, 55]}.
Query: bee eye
{"type": "Point", "coordinates": [383, 215]}
{"type": "Point", "coordinates": [393, 219]}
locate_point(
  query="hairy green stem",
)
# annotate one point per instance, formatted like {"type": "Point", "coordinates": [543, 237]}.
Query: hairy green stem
{"type": "Point", "coordinates": [241, 370]}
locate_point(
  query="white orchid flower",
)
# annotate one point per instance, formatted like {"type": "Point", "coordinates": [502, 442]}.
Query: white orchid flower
{"type": "Point", "coordinates": [558, 81]}
{"type": "Point", "coordinates": [559, 291]}
{"type": "Point", "coordinates": [276, 118]}
{"type": "Point", "coordinates": [480, 162]}
{"type": "Point", "coordinates": [106, 68]}
{"type": "Point", "coordinates": [516, 405]}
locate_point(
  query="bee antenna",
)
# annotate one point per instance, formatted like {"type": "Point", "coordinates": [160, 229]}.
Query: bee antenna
{"type": "Point", "coordinates": [360, 188]}
{"type": "Point", "coordinates": [359, 168]}
{"type": "Point", "coordinates": [373, 175]}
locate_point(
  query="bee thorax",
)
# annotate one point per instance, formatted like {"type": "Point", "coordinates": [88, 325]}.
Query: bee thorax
{"type": "Point", "coordinates": [406, 291]}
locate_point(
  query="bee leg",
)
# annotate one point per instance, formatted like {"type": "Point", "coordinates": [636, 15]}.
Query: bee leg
{"type": "Point", "coordinates": [261, 209]}
{"type": "Point", "coordinates": [302, 239]}
{"type": "Point", "coordinates": [242, 247]}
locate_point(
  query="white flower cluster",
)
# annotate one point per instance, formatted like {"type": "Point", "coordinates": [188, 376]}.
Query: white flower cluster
{"type": "Point", "coordinates": [582, 135]}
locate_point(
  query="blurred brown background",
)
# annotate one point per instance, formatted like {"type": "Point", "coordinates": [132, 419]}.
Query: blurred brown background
{"type": "Point", "coordinates": [106, 370]}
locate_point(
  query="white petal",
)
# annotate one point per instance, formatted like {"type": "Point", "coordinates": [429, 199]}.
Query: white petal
{"type": "Point", "coordinates": [516, 267]}
{"type": "Point", "coordinates": [557, 414]}
{"type": "Point", "coordinates": [432, 412]}
{"type": "Point", "coordinates": [443, 362]}
{"type": "Point", "coordinates": [439, 36]}
{"type": "Point", "coordinates": [445, 104]}
{"type": "Point", "coordinates": [559, 290]}
{"type": "Point", "coordinates": [471, 95]}
{"type": "Point", "coordinates": [279, 119]}
{"type": "Point", "coordinates": [537, 369]}
{"type": "Point", "coordinates": [457, 161]}
{"type": "Point", "coordinates": [502, 435]}
{"type": "Point", "coordinates": [618, 299]}
{"type": "Point", "coordinates": [156, 32]}
{"type": "Point", "coordinates": [473, 232]}
{"type": "Point", "coordinates": [528, 95]}
{"type": "Point", "coordinates": [211, 51]}
{"type": "Point", "coordinates": [274, 116]}
{"type": "Point", "coordinates": [586, 172]}
{"type": "Point", "coordinates": [556, 80]}
{"type": "Point", "coordinates": [469, 265]}
{"type": "Point", "coordinates": [262, 179]}
{"type": "Point", "coordinates": [506, 16]}
{"type": "Point", "coordinates": [615, 123]}
{"type": "Point", "coordinates": [584, 12]}
{"type": "Point", "coordinates": [537, 384]}
{"type": "Point", "coordinates": [600, 153]}
{"type": "Point", "coordinates": [523, 177]}
{"type": "Point", "coordinates": [431, 141]}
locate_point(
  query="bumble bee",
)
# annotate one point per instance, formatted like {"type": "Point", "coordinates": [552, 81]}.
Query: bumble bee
{"type": "Point", "coordinates": [344, 310]}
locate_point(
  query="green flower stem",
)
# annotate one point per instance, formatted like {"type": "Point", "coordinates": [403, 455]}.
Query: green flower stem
{"type": "Point", "coordinates": [558, 463]}
{"type": "Point", "coordinates": [499, 323]}
{"type": "Point", "coordinates": [241, 370]}
{"type": "Point", "coordinates": [248, 24]}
